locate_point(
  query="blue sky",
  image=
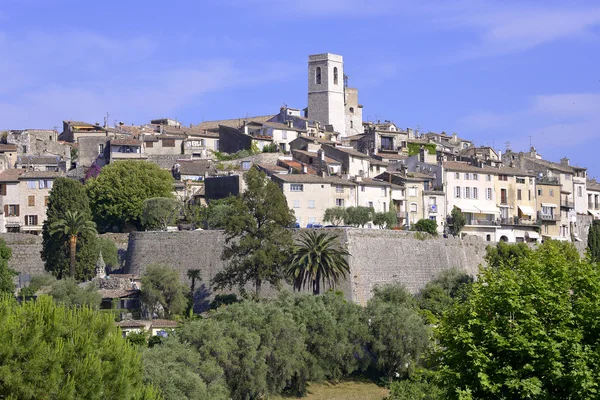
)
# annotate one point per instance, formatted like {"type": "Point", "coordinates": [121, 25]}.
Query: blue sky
{"type": "Point", "coordinates": [494, 72]}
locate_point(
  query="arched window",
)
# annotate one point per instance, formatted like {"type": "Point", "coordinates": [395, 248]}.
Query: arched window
{"type": "Point", "coordinates": [335, 76]}
{"type": "Point", "coordinates": [318, 76]}
{"type": "Point", "coordinates": [352, 109]}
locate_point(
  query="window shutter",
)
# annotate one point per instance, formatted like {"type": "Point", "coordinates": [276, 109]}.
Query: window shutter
{"type": "Point", "coordinates": [17, 207]}
{"type": "Point", "coordinates": [35, 219]}
{"type": "Point", "coordinates": [3, 189]}
{"type": "Point", "coordinates": [26, 220]}
{"type": "Point", "coordinates": [6, 209]}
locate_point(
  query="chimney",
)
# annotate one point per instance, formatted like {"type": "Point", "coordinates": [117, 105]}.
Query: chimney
{"type": "Point", "coordinates": [160, 129]}
{"type": "Point", "coordinates": [290, 123]}
{"type": "Point", "coordinates": [304, 169]}
{"type": "Point", "coordinates": [564, 161]}
{"type": "Point", "coordinates": [533, 152]}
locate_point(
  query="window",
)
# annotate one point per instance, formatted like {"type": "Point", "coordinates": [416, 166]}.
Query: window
{"type": "Point", "coordinates": [567, 177]}
{"type": "Point", "coordinates": [339, 202]}
{"type": "Point", "coordinates": [31, 201]}
{"type": "Point", "coordinates": [551, 192]}
{"type": "Point", "coordinates": [467, 176]}
{"type": "Point", "coordinates": [31, 220]}
{"type": "Point", "coordinates": [284, 135]}
{"type": "Point", "coordinates": [457, 192]}
{"type": "Point", "coordinates": [339, 189]}
{"type": "Point", "coordinates": [488, 178]}
{"type": "Point", "coordinates": [519, 194]}
{"type": "Point", "coordinates": [351, 124]}
{"type": "Point", "coordinates": [540, 192]}
{"type": "Point", "coordinates": [456, 175]}
{"type": "Point", "coordinates": [149, 144]}
{"type": "Point", "coordinates": [413, 207]}
{"type": "Point", "coordinates": [432, 217]}
{"type": "Point", "coordinates": [475, 193]}
{"type": "Point", "coordinates": [362, 188]}
{"type": "Point", "coordinates": [246, 165]}
{"type": "Point", "coordinates": [101, 148]}
{"type": "Point", "coordinates": [45, 184]}
{"type": "Point", "coordinates": [503, 177]}
{"type": "Point", "coordinates": [2, 189]}
{"type": "Point", "coordinates": [467, 193]}
{"type": "Point", "coordinates": [520, 180]}
{"type": "Point", "coordinates": [384, 207]}
{"type": "Point", "coordinates": [296, 203]}
{"type": "Point", "coordinates": [412, 192]}
{"type": "Point", "coordinates": [579, 191]}
{"type": "Point", "coordinates": [335, 75]}
{"type": "Point", "coordinates": [31, 185]}
{"type": "Point", "coordinates": [295, 187]}
{"type": "Point", "coordinates": [318, 76]}
{"type": "Point", "coordinates": [383, 191]}
{"type": "Point", "coordinates": [311, 204]}
{"type": "Point", "coordinates": [488, 194]}
{"type": "Point", "coordinates": [351, 110]}
{"type": "Point", "coordinates": [529, 195]}
{"type": "Point", "coordinates": [168, 143]}
{"type": "Point", "coordinates": [11, 210]}
{"type": "Point", "coordinates": [370, 204]}
{"type": "Point", "coordinates": [475, 177]}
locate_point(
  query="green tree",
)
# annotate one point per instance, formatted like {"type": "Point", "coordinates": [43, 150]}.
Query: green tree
{"type": "Point", "coordinates": [218, 212]}
{"type": "Point", "coordinates": [317, 260]}
{"type": "Point", "coordinates": [68, 195]}
{"type": "Point", "coordinates": [400, 336]}
{"type": "Point", "coordinates": [7, 274]}
{"type": "Point", "coordinates": [48, 351]}
{"type": "Point", "coordinates": [457, 221]}
{"type": "Point", "coordinates": [594, 241]}
{"type": "Point", "coordinates": [442, 292]}
{"type": "Point", "coordinates": [527, 330]}
{"type": "Point", "coordinates": [256, 234]}
{"type": "Point", "coordinates": [158, 213]}
{"type": "Point", "coordinates": [505, 253]}
{"type": "Point", "coordinates": [178, 372]}
{"type": "Point", "coordinates": [73, 225]}
{"type": "Point", "coordinates": [335, 215]}
{"type": "Point", "coordinates": [162, 291]}
{"type": "Point", "coordinates": [385, 219]}
{"type": "Point", "coordinates": [117, 195]}
{"type": "Point", "coordinates": [426, 225]}
{"type": "Point", "coordinates": [69, 293]}
{"type": "Point", "coordinates": [193, 275]}
{"type": "Point", "coordinates": [110, 254]}
{"type": "Point", "coordinates": [359, 216]}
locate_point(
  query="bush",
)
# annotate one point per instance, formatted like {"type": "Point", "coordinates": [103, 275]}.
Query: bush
{"type": "Point", "coordinates": [426, 225]}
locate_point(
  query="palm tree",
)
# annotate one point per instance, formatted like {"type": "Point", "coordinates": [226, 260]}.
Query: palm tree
{"type": "Point", "coordinates": [317, 259]}
{"type": "Point", "coordinates": [72, 225]}
{"type": "Point", "coordinates": [193, 274]}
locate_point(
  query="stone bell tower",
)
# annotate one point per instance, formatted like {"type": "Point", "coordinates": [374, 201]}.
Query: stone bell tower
{"type": "Point", "coordinates": [326, 97]}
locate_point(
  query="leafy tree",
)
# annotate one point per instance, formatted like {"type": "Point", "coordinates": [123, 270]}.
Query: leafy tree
{"type": "Point", "coordinates": [256, 235]}
{"type": "Point", "coordinates": [36, 283]}
{"type": "Point", "coordinates": [218, 211]}
{"type": "Point", "coordinates": [442, 292]}
{"type": "Point", "coordinates": [317, 259]}
{"type": "Point", "coordinates": [594, 241]}
{"type": "Point", "coordinates": [162, 290]}
{"type": "Point", "coordinates": [223, 300]}
{"type": "Point", "coordinates": [69, 293]}
{"type": "Point", "coordinates": [7, 274]}
{"type": "Point", "coordinates": [527, 330]}
{"type": "Point", "coordinates": [359, 216]}
{"type": "Point", "coordinates": [416, 388]}
{"type": "Point", "coordinates": [178, 372]}
{"type": "Point", "coordinates": [400, 336]}
{"type": "Point", "coordinates": [457, 221]}
{"type": "Point", "coordinates": [426, 225]}
{"type": "Point", "coordinates": [117, 195]}
{"type": "Point", "coordinates": [193, 275]}
{"type": "Point", "coordinates": [49, 351]}
{"type": "Point", "coordinates": [138, 338]}
{"type": "Point", "coordinates": [68, 195]}
{"type": "Point", "coordinates": [335, 215]}
{"type": "Point", "coordinates": [505, 253]}
{"type": "Point", "coordinates": [73, 225]}
{"type": "Point", "coordinates": [109, 251]}
{"type": "Point", "coordinates": [385, 219]}
{"type": "Point", "coordinates": [159, 213]}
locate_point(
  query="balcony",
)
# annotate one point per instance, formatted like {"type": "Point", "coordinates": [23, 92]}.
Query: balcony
{"type": "Point", "coordinates": [549, 217]}
{"type": "Point", "coordinates": [548, 180]}
{"type": "Point", "coordinates": [481, 222]}
{"type": "Point", "coordinates": [115, 155]}
{"type": "Point", "coordinates": [518, 221]}
{"type": "Point", "coordinates": [593, 206]}
{"type": "Point", "coordinates": [566, 204]}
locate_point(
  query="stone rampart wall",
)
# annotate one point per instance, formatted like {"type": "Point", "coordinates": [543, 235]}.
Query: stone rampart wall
{"type": "Point", "coordinates": [26, 248]}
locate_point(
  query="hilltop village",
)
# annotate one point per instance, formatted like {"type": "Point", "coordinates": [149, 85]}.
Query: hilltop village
{"type": "Point", "coordinates": [322, 156]}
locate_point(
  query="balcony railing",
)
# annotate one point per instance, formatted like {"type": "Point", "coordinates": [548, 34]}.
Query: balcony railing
{"type": "Point", "coordinates": [546, 179]}
{"type": "Point", "coordinates": [481, 222]}
{"type": "Point", "coordinates": [549, 217]}
{"type": "Point", "coordinates": [593, 206]}
{"type": "Point", "coordinates": [567, 204]}
{"type": "Point", "coordinates": [518, 221]}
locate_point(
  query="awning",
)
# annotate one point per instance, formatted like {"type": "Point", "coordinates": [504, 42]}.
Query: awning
{"type": "Point", "coordinates": [484, 210]}
{"type": "Point", "coordinates": [549, 205]}
{"type": "Point", "coordinates": [527, 210]}
{"type": "Point", "coordinates": [468, 210]}
{"type": "Point", "coordinates": [595, 213]}
{"type": "Point", "coordinates": [533, 235]}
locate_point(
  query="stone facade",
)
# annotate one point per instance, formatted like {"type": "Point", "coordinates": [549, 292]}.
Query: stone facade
{"type": "Point", "coordinates": [326, 100]}
{"type": "Point", "coordinates": [26, 250]}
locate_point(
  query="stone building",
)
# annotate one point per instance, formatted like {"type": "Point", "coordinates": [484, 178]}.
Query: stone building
{"type": "Point", "coordinates": [593, 198]}
{"type": "Point", "coordinates": [548, 207]}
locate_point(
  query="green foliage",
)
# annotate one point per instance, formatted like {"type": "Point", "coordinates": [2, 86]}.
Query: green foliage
{"type": "Point", "coordinates": [218, 211]}
{"type": "Point", "coordinates": [49, 351]}
{"type": "Point", "coordinates": [178, 372]}
{"type": "Point", "coordinates": [7, 284]}
{"type": "Point", "coordinates": [335, 215]}
{"type": "Point", "coordinates": [270, 148]}
{"type": "Point", "coordinates": [441, 293]}
{"type": "Point", "coordinates": [416, 389]}
{"type": "Point", "coordinates": [235, 156]}
{"type": "Point", "coordinates": [162, 291]}
{"type": "Point", "coordinates": [426, 225]}
{"type": "Point", "coordinates": [74, 154]}
{"type": "Point", "coordinates": [110, 254]}
{"type": "Point", "coordinates": [385, 219]}
{"type": "Point", "coordinates": [415, 148]}
{"type": "Point", "coordinates": [36, 283]}
{"type": "Point", "coordinates": [68, 293]}
{"type": "Point", "coordinates": [223, 300]}
{"type": "Point", "coordinates": [68, 195]}
{"type": "Point", "coordinates": [359, 216]}
{"type": "Point", "coordinates": [117, 195]}
{"type": "Point", "coordinates": [73, 225]}
{"type": "Point", "coordinates": [594, 241]}
{"type": "Point", "coordinates": [317, 259]}
{"type": "Point", "coordinates": [506, 254]}
{"type": "Point", "coordinates": [256, 235]}
{"type": "Point", "coordinates": [400, 336]}
{"type": "Point", "coordinates": [457, 221]}
{"type": "Point", "coordinates": [158, 213]}
{"type": "Point", "coordinates": [528, 329]}
{"type": "Point", "coordinates": [138, 338]}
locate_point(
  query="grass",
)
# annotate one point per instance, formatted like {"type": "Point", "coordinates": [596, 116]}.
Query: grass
{"type": "Point", "coordinates": [345, 390]}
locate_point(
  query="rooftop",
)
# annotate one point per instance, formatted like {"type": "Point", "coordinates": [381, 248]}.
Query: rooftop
{"type": "Point", "coordinates": [308, 178]}
{"type": "Point", "coordinates": [11, 175]}
{"type": "Point", "coordinates": [232, 123]}
{"type": "Point", "coordinates": [460, 166]}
